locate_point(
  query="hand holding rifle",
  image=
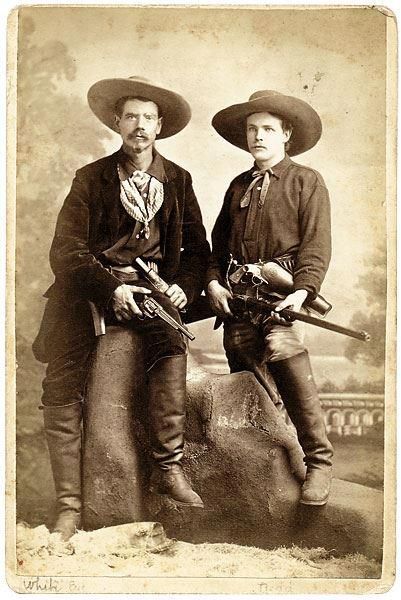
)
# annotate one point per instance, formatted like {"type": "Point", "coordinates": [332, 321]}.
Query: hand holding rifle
{"type": "Point", "coordinates": [239, 303]}
{"type": "Point", "coordinates": [294, 301]}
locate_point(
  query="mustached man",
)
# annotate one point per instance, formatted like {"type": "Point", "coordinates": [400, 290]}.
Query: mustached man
{"type": "Point", "coordinates": [134, 203]}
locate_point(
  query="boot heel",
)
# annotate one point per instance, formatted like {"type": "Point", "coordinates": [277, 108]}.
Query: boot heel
{"type": "Point", "coordinates": [173, 484]}
{"type": "Point", "coordinates": [316, 489]}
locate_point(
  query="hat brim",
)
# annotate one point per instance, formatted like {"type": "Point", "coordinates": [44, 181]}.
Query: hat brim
{"type": "Point", "coordinates": [230, 122]}
{"type": "Point", "coordinates": [103, 95]}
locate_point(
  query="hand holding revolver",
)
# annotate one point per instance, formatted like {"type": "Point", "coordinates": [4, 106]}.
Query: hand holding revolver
{"type": "Point", "coordinates": [174, 292]}
{"type": "Point", "coordinates": [123, 302]}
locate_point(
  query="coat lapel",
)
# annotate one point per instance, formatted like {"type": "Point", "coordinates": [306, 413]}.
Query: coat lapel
{"type": "Point", "coordinates": [169, 206]}
{"type": "Point", "coordinates": [170, 195]}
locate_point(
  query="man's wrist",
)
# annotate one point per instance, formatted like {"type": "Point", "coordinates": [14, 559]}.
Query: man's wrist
{"type": "Point", "coordinates": [116, 289]}
{"type": "Point", "coordinates": [302, 294]}
{"type": "Point", "coordinates": [213, 284]}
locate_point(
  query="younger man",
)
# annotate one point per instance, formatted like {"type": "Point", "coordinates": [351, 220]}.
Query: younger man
{"type": "Point", "coordinates": [277, 210]}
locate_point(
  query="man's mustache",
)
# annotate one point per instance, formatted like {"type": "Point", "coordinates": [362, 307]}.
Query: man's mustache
{"type": "Point", "coordinates": [137, 133]}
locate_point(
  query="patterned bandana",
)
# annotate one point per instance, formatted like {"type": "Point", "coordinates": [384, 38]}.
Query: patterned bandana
{"type": "Point", "coordinates": [139, 204]}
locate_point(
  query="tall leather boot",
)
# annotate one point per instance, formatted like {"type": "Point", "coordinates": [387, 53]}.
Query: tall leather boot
{"type": "Point", "coordinates": [294, 380]}
{"type": "Point", "coordinates": [63, 434]}
{"type": "Point", "coordinates": [167, 397]}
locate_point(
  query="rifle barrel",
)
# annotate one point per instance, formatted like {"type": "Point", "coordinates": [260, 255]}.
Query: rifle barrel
{"type": "Point", "coordinates": [267, 307]}
{"type": "Point", "coordinates": [359, 335]}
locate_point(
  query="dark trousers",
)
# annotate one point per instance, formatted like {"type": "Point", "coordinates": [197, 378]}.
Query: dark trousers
{"type": "Point", "coordinates": [251, 347]}
{"type": "Point", "coordinates": [70, 354]}
{"type": "Point", "coordinates": [246, 343]}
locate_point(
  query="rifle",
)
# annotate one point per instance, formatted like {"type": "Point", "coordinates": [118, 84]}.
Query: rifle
{"type": "Point", "coordinates": [241, 302]}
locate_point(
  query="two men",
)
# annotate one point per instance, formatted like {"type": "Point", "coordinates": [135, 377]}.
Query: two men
{"type": "Point", "coordinates": [134, 203]}
{"type": "Point", "coordinates": [276, 211]}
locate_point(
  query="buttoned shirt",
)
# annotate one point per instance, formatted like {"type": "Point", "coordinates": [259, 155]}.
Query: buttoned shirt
{"type": "Point", "coordinates": [294, 220]}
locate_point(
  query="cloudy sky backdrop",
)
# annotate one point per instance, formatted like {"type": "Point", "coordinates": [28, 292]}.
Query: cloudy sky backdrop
{"type": "Point", "coordinates": [335, 58]}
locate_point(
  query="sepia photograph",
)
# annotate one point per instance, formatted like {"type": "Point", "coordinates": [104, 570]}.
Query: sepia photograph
{"type": "Point", "coordinates": [201, 299]}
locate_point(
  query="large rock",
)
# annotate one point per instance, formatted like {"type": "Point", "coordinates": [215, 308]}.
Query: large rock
{"type": "Point", "coordinates": [240, 456]}
{"type": "Point", "coordinates": [114, 469]}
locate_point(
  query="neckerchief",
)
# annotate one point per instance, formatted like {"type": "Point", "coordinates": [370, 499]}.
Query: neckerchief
{"type": "Point", "coordinates": [139, 204]}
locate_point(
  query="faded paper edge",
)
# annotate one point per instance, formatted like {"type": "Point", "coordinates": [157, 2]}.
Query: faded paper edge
{"type": "Point", "coordinates": [207, 585]}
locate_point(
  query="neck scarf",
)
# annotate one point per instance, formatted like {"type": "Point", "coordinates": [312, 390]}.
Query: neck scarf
{"type": "Point", "coordinates": [139, 204]}
{"type": "Point", "coordinates": [257, 176]}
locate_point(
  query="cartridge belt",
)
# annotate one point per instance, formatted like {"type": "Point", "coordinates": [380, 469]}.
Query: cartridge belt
{"type": "Point", "coordinates": [128, 273]}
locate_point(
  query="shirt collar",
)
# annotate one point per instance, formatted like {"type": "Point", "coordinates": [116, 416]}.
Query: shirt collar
{"type": "Point", "coordinates": [278, 169]}
{"type": "Point", "coordinates": [155, 169]}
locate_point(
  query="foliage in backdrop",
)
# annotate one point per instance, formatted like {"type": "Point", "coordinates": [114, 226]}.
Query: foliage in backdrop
{"type": "Point", "coordinates": [48, 153]}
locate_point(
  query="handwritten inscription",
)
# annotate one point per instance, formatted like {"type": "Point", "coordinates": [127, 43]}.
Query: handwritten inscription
{"type": "Point", "coordinates": [41, 584]}
{"type": "Point", "coordinates": [49, 584]}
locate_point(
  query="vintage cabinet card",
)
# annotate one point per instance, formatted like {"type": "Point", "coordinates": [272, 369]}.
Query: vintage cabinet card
{"type": "Point", "coordinates": [336, 68]}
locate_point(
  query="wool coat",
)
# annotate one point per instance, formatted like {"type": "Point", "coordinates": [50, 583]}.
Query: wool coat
{"type": "Point", "coordinates": [88, 224]}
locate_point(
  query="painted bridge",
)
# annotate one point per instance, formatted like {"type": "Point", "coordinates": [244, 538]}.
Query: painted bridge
{"type": "Point", "coordinates": [352, 413]}
{"type": "Point", "coordinates": [345, 413]}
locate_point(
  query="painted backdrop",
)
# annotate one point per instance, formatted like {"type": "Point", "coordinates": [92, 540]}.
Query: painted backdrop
{"type": "Point", "coordinates": [333, 58]}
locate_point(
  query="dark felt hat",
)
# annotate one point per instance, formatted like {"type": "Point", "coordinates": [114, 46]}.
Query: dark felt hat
{"type": "Point", "coordinates": [104, 94]}
{"type": "Point", "coordinates": [230, 122]}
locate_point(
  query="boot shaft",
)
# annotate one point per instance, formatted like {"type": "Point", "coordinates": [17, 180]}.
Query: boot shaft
{"type": "Point", "coordinates": [166, 409]}
{"type": "Point", "coordinates": [62, 425]}
{"type": "Point", "coordinates": [295, 382]}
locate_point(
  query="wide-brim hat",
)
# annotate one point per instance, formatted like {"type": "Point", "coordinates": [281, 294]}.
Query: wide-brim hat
{"type": "Point", "coordinates": [230, 122]}
{"type": "Point", "coordinates": [103, 95]}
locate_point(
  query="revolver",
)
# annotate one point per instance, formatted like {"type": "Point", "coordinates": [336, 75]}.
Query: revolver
{"type": "Point", "coordinates": [152, 309]}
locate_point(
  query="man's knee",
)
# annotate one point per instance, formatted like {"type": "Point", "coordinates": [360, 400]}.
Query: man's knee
{"type": "Point", "coordinates": [283, 342]}
{"type": "Point", "coordinates": [163, 343]}
{"type": "Point", "coordinates": [66, 377]}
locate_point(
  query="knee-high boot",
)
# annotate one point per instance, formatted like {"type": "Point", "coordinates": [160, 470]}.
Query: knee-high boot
{"type": "Point", "coordinates": [166, 410]}
{"type": "Point", "coordinates": [63, 435]}
{"type": "Point", "coordinates": [294, 380]}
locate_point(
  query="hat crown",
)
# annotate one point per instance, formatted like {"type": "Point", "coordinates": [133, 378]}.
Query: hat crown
{"type": "Point", "coordinates": [139, 78]}
{"type": "Point", "coordinates": [263, 94]}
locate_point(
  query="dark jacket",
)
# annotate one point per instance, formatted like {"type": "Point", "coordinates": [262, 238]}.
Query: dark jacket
{"type": "Point", "coordinates": [88, 224]}
{"type": "Point", "coordinates": [295, 221]}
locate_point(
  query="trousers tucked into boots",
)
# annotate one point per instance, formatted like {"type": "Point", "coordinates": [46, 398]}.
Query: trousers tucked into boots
{"type": "Point", "coordinates": [63, 435]}
{"type": "Point", "coordinates": [295, 382]}
{"type": "Point", "coordinates": [167, 396]}
{"type": "Point", "coordinates": [166, 413]}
